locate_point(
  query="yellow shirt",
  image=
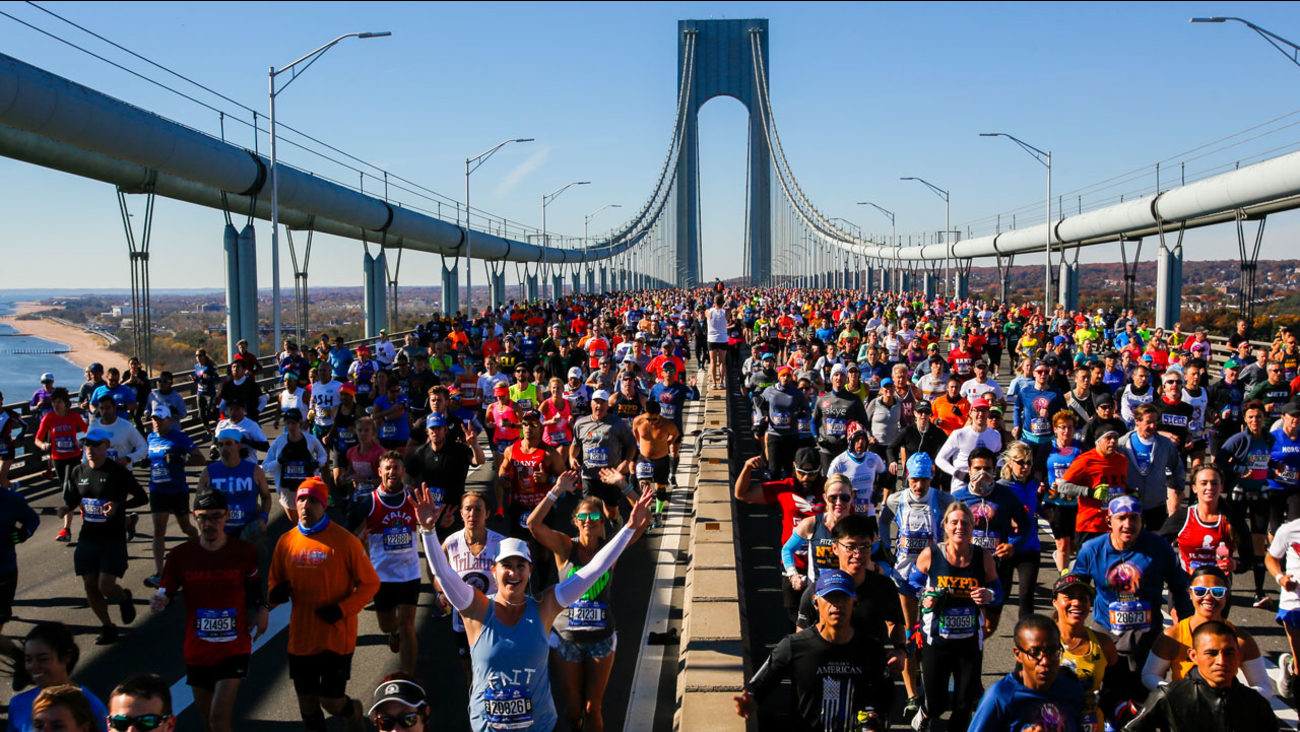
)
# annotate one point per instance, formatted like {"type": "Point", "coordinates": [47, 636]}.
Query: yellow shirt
{"type": "Point", "coordinates": [1089, 668]}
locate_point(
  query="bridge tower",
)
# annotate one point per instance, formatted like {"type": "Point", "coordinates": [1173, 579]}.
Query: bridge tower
{"type": "Point", "coordinates": [718, 56]}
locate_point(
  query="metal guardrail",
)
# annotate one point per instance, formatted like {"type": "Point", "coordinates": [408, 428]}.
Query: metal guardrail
{"type": "Point", "coordinates": [29, 460]}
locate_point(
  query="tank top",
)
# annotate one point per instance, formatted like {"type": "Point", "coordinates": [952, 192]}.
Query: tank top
{"type": "Point", "coordinates": [296, 463]}
{"type": "Point", "coordinates": [956, 617]}
{"type": "Point", "coordinates": [240, 489]}
{"type": "Point", "coordinates": [1089, 668]}
{"type": "Point", "coordinates": [469, 396]}
{"type": "Point", "coordinates": [345, 434]}
{"type": "Point", "coordinates": [1058, 461]}
{"type": "Point", "coordinates": [1199, 402]}
{"type": "Point", "coordinates": [821, 550]}
{"type": "Point", "coordinates": [625, 407]}
{"type": "Point", "coordinates": [1182, 665]}
{"type": "Point", "coordinates": [505, 422]}
{"type": "Point", "coordinates": [531, 481]}
{"type": "Point", "coordinates": [365, 376]}
{"type": "Point", "coordinates": [525, 398]}
{"type": "Point", "coordinates": [511, 688]}
{"type": "Point", "coordinates": [475, 569]}
{"type": "Point", "coordinates": [392, 539]}
{"type": "Point", "coordinates": [560, 433]}
{"type": "Point", "coordinates": [917, 529]}
{"type": "Point", "coordinates": [1198, 541]}
{"type": "Point", "coordinates": [591, 618]}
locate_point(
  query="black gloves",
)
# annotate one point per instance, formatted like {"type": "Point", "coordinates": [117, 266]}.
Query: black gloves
{"type": "Point", "coordinates": [279, 594]}
{"type": "Point", "coordinates": [330, 613]}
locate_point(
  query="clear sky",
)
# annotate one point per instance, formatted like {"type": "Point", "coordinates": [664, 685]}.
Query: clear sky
{"type": "Point", "coordinates": [863, 93]}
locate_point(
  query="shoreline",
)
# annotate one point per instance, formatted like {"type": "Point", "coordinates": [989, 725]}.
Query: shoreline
{"type": "Point", "coordinates": [85, 348]}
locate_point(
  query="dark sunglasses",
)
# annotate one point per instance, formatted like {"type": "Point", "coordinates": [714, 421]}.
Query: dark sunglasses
{"type": "Point", "coordinates": [122, 723]}
{"type": "Point", "coordinates": [590, 516]}
{"type": "Point", "coordinates": [839, 498]}
{"type": "Point", "coordinates": [1217, 592]}
{"type": "Point", "coordinates": [404, 721]}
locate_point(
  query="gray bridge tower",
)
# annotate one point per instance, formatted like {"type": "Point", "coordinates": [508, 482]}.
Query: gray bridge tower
{"type": "Point", "coordinates": [722, 64]}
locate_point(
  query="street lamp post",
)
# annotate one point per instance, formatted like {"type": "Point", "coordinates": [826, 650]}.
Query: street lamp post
{"type": "Point", "coordinates": [947, 228]}
{"type": "Point", "coordinates": [1272, 38]}
{"type": "Point", "coordinates": [586, 220]}
{"type": "Point", "coordinates": [476, 162]}
{"type": "Point", "coordinates": [1044, 159]}
{"type": "Point", "coordinates": [546, 201]}
{"type": "Point", "coordinates": [275, 177]}
{"type": "Point", "coordinates": [893, 229]}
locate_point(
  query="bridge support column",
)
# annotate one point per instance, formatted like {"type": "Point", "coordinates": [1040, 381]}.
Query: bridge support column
{"type": "Point", "coordinates": [591, 282]}
{"type": "Point", "coordinates": [865, 278]}
{"type": "Point", "coordinates": [368, 294]}
{"type": "Point", "coordinates": [530, 287]}
{"type": "Point", "coordinates": [961, 284]}
{"type": "Point", "coordinates": [622, 280]}
{"type": "Point", "coordinates": [381, 292]}
{"type": "Point", "coordinates": [557, 286]}
{"type": "Point", "coordinates": [846, 279]}
{"type": "Point", "coordinates": [577, 281]}
{"type": "Point", "coordinates": [931, 285]}
{"type": "Point", "coordinates": [248, 289]}
{"type": "Point", "coordinates": [1169, 284]}
{"type": "Point", "coordinates": [234, 303]}
{"type": "Point", "coordinates": [498, 285]}
{"type": "Point", "coordinates": [1069, 285]}
{"type": "Point", "coordinates": [604, 280]}
{"type": "Point", "coordinates": [450, 290]}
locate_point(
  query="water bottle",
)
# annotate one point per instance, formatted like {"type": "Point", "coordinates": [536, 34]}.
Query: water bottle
{"type": "Point", "coordinates": [1222, 556]}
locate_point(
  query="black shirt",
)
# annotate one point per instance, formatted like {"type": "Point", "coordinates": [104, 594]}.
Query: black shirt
{"type": "Point", "coordinates": [446, 468]}
{"type": "Point", "coordinates": [878, 603]}
{"type": "Point", "coordinates": [89, 488]}
{"type": "Point", "coordinates": [832, 681]}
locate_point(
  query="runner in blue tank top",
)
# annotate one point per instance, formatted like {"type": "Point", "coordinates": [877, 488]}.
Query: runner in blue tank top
{"type": "Point", "coordinates": [508, 631]}
{"type": "Point", "coordinates": [248, 495]}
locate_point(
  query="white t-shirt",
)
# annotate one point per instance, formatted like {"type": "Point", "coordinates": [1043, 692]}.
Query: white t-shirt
{"type": "Point", "coordinates": [717, 320]}
{"type": "Point", "coordinates": [863, 475]}
{"type": "Point", "coordinates": [975, 388]}
{"type": "Point", "coordinates": [1284, 548]}
{"type": "Point", "coordinates": [475, 569]}
{"type": "Point", "coordinates": [325, 397]}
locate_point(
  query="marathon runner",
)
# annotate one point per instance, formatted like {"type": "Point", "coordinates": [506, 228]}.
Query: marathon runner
{"type": "Point", "coordinates": [170, 451]}
{"type": "Point", "coordinates": [603, 440]}
{"type": "Point", "coordinates": [1036, 694]}
{"type": "Point", "coordinates": [57, 435]}
{"type": "Point", "coordinates": [294, 457]}
{"type": "Point", "coordinates": [471, 552]}
{"type": "Point", "coordinates": [244, 486]}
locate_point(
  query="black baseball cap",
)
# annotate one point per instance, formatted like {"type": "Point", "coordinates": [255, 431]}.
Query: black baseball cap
{"type": "Point", "coordinates": [807, 456]}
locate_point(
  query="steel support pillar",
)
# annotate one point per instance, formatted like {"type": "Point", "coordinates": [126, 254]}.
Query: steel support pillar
{"type": "Point", "coordinates": [931, 285]}
{"type": "Point", "coordinates": [557, 287]}
{"type": "Point", "coordinates": [961, 283]}
{"type": "Point", "coordinates": [381, 292]}
{"type": "Point", "coordinates": [531, 287]}
{"type": "Point", "coordinates": [591, 281]}
{"type": "Point", "coordinates": [604, 280]}
{"type": "Point", "coordinates": [497, 283]}
{"type": "Point", "coordinates": [450, 289]}
{"type": "Point", "coordinates": [576, 277]}
{"type": "Point", "coordinates": [1169, 283]}
{"type": "Point", "coordinates": [368, 294]}
{"type": "Point", "coordinates": [248, 290]}
{"type": "Point", "coordinates": [234, 323]}
{"type": "Point", "coordinates": [1068, 292]}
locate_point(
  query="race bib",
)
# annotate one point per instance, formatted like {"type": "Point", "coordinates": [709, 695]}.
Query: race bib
{"type": "Point", "coordinates": [645, 471]}
{"type": "Point", "coordinates": [1287, 474]}
{"type": "Point", "coordinates": [986, 539]}
{"type": "Point", "coordinates": [295, 470]}
{"type": "Point", "coordinates": [780, 420]}
{"type": "Point", "coordinates": [587, 615]}
{"type": "Point", "coordinates": [669, 411]}
{"type": "Point", "coordinates": [65, 444]}
{"type": "Point", "coordinates": [510, 707]}
{"type": "Point", "coordinates": [596, 457]}
{"type": "Point", "coordinates": [92, 510]}
{"type": "Point", "coordinates": [158, 472]}
{"type": "Point", "coordinates": [238, 515]}
{"type": "Point", "coordinates": [216, 626]}
{"type": "Point", "coordinates": [437, 495]}
{"type": "Point", "coordinates": [1039, 426]}
{"type": "Point", "coordinates": [836, 427]}
{"type": "Point", "coordinates": [398, 539]}
{"type": "Point", "coordinates": [388, 431]}
{"type": "Point", "coordinates": [910, 543]}
{"type": "Point", "coordinates": [363, 389]}
{"type": "Point", "coordinates": [112, 454]}
{"type": "Point", "coordinates": [805, 426]}
{"type": "Point", "coordinates": [1128, 615]}
{"type": "Point", "coordinates": [345, 436]}
{"type": "Point", "coordinates": [525, 405]}
{"type": "Point", "coordinates": [1259, 461]}
{"type": "Point", "coordinates": [958, 622]}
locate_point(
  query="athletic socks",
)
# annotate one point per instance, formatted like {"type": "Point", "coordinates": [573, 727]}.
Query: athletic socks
{"type": "Point", "coordinates": [1259, 576]}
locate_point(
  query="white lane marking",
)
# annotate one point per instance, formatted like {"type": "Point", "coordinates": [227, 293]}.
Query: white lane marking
{"type": "Point", "coordinates": [644, 696]}
{"type": "Point", "coordinates": [183, 697]}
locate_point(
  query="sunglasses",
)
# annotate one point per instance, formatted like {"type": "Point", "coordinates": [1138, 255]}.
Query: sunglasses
{"type": "Point", "coordinates": [210, 518]}
{"type": "Point", "coordinates": [805, 472]}
{"type": "Point", "coordinates": [1216, 592]}
{"type": "Point", "coordinates": [122, 723]}
{"type": "Point", "coordinates": [839, 498]}
{"type": "Point", "coordinates": [404, 721]}
{"type": "Point", "coordinates": [1023, 463]}
{"type": "Point", "coordinates": [589, 516]}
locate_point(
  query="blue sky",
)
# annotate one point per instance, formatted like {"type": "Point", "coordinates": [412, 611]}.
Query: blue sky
{"type": "Point", "coordinates": [863, 94]}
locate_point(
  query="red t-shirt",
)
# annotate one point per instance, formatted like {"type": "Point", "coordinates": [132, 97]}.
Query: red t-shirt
{"type": "Point", "coordinates": [795, 507]}
{"type": "Point", "coordinates": [216, 613]}
{"type": "Point", "coordinates": [1092, 470]}
{"type": "Point", "coordinates": [61, 434]}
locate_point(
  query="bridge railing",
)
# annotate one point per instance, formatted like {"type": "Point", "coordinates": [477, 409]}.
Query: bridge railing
{"type": "Point", "coordinates": [30, 460]}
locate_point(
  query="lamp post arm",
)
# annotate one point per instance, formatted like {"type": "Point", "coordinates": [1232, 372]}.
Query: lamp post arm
{"type": "Point", "coordinates": [1273, 39]}
{"type": "Point", "coordinates": [312, 57]}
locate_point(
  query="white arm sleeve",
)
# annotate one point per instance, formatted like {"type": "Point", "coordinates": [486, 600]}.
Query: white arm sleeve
{"type": "Point", "coordinates": [139, 448]}
{"type": "Point", "coordinates": [1257, 676]}
{"type": "Point", "coordinates": [458, 592]}
{"type": "Point", "coordinates": [571, 589]}
{"type": "Point", "coordinates": [1154, 671]}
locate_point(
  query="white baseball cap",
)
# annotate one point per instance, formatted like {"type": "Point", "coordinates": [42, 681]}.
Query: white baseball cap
{"type": "Point", "coordinates": [575, 373]}
{"type": "Point", "coordinates": [514, 548]}
{"type": "Point", "coordinates": [161, 410]}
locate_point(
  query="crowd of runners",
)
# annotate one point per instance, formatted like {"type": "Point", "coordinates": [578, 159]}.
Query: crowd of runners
{"type": "Point", "coordinates": [918, 497]}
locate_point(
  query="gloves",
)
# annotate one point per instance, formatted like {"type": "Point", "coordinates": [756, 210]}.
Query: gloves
{"type": "Point", "coordinates": [1101, 493]}
{"type": "Point", "coordinates": [330, 613]}
{"type": "Point", "coordinates": [19, 536]}
{"type": "Point", "coordinates": [279, 594]}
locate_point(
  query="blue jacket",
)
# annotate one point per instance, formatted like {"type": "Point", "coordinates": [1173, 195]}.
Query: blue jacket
{"type": "Point", "coordinates": [994, 515]}
{"type": "Point", "coordinates": [1011, 706]}
{"type": "Point", "coordinates": [1129, 582]}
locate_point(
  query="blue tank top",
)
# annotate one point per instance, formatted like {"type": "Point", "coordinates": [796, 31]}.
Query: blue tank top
{"type": "Point", "coordinates": [1058, 461]}
{"type": "Point", "coordinates": [1286, 462]}
{"type": "Point", "coordinates": [240, 489]}
{"type": "Point", "coordinates": [511, 688]}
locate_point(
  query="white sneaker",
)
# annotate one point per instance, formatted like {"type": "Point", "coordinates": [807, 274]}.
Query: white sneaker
{"type": "Point", "coordinates": [1286, 663]}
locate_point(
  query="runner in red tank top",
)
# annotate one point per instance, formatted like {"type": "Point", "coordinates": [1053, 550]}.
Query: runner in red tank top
{"type": "Point", "coordinates": [1198, 531]}
{"type": "Point", "coordinates": [526, 475]}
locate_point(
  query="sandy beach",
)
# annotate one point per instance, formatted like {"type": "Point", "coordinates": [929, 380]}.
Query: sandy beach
{"type": "Point", "coordinates": [86, 348]}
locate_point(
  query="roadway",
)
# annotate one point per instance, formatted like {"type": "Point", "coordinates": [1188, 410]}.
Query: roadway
{"type": "Point", "coordinates": [48, 590]}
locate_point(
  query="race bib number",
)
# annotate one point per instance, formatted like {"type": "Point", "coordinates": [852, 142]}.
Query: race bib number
{"type": "Point", "coordinates": [388, 431]}
{"type": "Point", "coordinates": [805, 426]}
{"type": "Point", "coordinates": [1039, 426]}
{"type": "Point", "coordinates": [596, 457]}
{"type": "Point", "coordinates": [363, 389]}
{"type": "Point", "coordinates": [398, 539]}
{"type": "Point", "coordinates": [345, 436]}
{"type": "Point", "coordinates": [780, 420]}
{"type": "Point", "coordinates": [1287, 474]}
{"type": "Point", "coordinates": [909, 543]}
{"type": "Point", "coordinates": [587, 615]}
{"type": "Point", "coordinates": [238, 515]}
{"type": "Point", "coordinates": [1259, 461]}
{"type": "Point", "coordinates": [1128, 615]}
{"type": "Point", "coordinates": [437, 495]}
{"type": "Point", "coordinates": [836, 427]}
{"type": "Point", "coordinates": [958, 622]}
{"type": "Point", "coordinates": [986, 539]}
{"type": "Point", "coordinates": [158, 472]}
{"type": "Point", "coordinates": [65, 444]}
{"type": "Point", "coordinates": [296, 470]}
{"type": "Point", "coordinates": [92, 509]}
{"type": "Point", "coordinates": [525, 405]}
{"type": "Point", "coordinates": [508, 708]}
{"type": "Point", "coordinates": [669, 411]}
{"type": "Point", "coordinates": [216, 626]}
{"type": "Point", "coordinates": [645, 471]}
{"type": "Point", "coordinates": [112, 454]}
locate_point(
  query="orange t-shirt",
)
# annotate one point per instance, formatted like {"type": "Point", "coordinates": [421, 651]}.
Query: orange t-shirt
{"type": "Point", "coordinates": [326, 568]}
{"type": "Point", "coordinates": [950, 415]}
{"type": "Point", "coordinates": [1092, 470]}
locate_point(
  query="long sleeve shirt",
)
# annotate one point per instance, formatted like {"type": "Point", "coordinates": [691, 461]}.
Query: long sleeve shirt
{"type": "Point", "coordinates": [329, 567]}
{"type": "Point", "coordinates": [1033, 412]}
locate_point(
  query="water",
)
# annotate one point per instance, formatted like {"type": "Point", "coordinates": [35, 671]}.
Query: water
{"type": "Point", "coordinates": [20, 373]}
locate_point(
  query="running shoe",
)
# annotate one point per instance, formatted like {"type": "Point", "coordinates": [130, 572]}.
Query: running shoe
{"type": "Point", "coordinates": [127, 606]}
{"type": "Point", "coordinates": [153, 582]}
{"type": "Point", "coordinates": [63, 536]}
{"type": "Point", "coordinates": [107, 636]}
{"type": "Point", "coordinates": [132, 520]}
{"type": "Point", "coordinates": [920, 722]}
{"type": "Point", "coordinates": [1262, 600]}
{"type": "Point", "coordinates": [913, 707]}
{"type": "Point", "coordinates": [1286, 683]}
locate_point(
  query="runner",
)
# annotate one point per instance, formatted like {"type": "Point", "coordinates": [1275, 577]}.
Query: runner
{"type": "Point", "coordinates": [104, 491]}
{"type": "Point", "coordinates": [442, 463]}
{"type": "Point", "coordinates": [603, 440]}
{"type": "Point", "coordinates": [955, 455]}
{"type": "Point", "coordinates": [1036, 694]}
{"type": "Point", "coordinates": [861, 466]}
{"type": "Point", "coordinates": [1244, 458]}
{"type": "Point", "coordinates": [47, 659]}
{"type": "Point", "coordinates": [784, 407]}
{"type": "Point", "coordinates": [557, 418]}
{"type": "Point", "coordinates": [294, 457]}
{"type": "Point", "coordinates": [126, 445]}
{"type": "Point", "coordinates": [384, 520]}
{"type": "Point", "coordinates": [243, 484]}
{"type": "Point", "coordinates": [390, 413]}
{"type": "Point", "coordinates": [143, 702]}
{"type": "Point", "coordinates": [672, 394]}
{"type": "Point", "coordinates": [224, 606]}
{"type": "Point", "coordinates": [170, 451]}
{"type": "Point", "coordinates": [530, 467]}
{"type": "Point", "coordinates": [655, 436]}
{"type": "Point", "coordinates": [832, 413]}
{"type": "Point", "coordinates": [1085, 653]}
{"type": "Point", "coordinates": [57, 435]}
{"type": "Point", "coordinates": [18, 523]}
{"type": "Point", "coordinates": [812, 537]}
{"type": "Point", "coordinates": [323, 570]}
{"type": "Point", "coordinates": [471, 552]}
{"type": "Point", "coordinates": [507, 632]}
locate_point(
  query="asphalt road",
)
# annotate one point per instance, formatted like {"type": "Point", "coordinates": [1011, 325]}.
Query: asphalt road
{"type": "Point", "coordinates": [48, 590]}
